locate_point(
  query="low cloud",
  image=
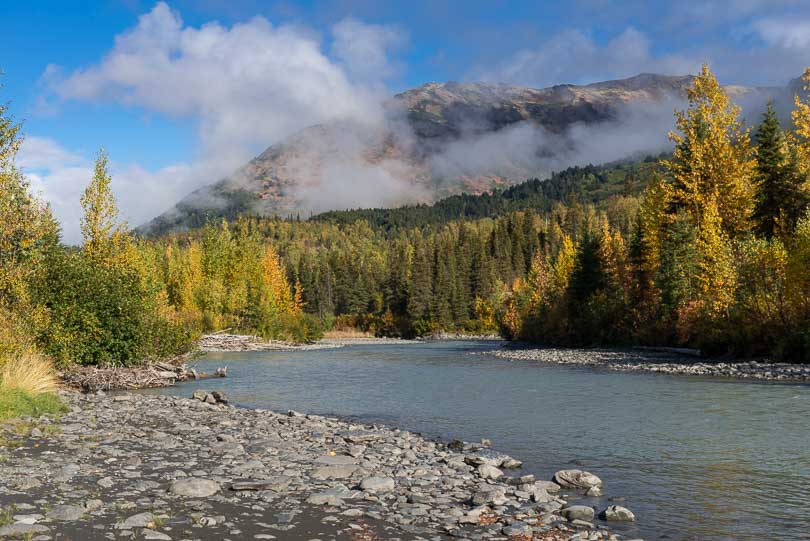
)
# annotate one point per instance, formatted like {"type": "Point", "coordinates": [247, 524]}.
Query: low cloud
{"type": "Point", "coordinates": [575, 57]}
{"type": "Point", "coordinates": [526, 149]}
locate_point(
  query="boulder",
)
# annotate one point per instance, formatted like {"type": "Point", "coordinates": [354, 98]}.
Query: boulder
{"type": "Point", "coordinates": [618, 513]}
{"type": "Point", "coordinates": [576, 479]}
{"type": "Point", "coordinates": [141, 520]}
{"type": "Point", "coordinates": [65, 513]}
{"type": "Point", "coordinates": [333, 472]}
{"type": "Point", "coordinates": [578, 512]}
{"type": "Point", "coordinates": [24, 531]}
{"type": "Point", "coordinates": [493, 495]}
{"type": "Point", "coordinates": [377, 484]}
{"type": "Point", "coordinates": [194, 487]}
{"type": "Point", "coordinates": [489, 472]}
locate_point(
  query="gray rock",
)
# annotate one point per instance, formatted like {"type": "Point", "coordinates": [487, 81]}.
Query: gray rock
{"type": "Point", "coordinates": [333, 472]}
{"type": "Point", "coordinates": [548, 486]}
{"type": "Point", "coordinates": [576, 479]}
{"type": "Point", "coordinates": [577, 512]}
{"type": "Point", "coordinates": [618, 513]}
{"type": "Point", "coordinates": [486, 456]}
{"type": "Point", "coordinates": [105, 482]}
{"type": "Point", "coordinates": [146, 533]}
{"type": "Point", "coordinates": [489, 472]}
{"type": "Point", "coordinates": [336, 460]}
{"type": "Point", "coordinates": [325, 499]}
{"type": "Point", "coordinates": [93, 505]}
{"type": "Point", "coordinates": [194, 487]}
{"type": "Point", "coordinates": [493, 495]}
{"type": "Point", "coordinates": [65, 513]}
{"type": "Point", "coordinates": [22, 530]}
{"type": "Point", "coordinates": [377, 484]}
{"type": "Point", "coordinates": [28, 519]}
{"type": "Point", "coordinates": [517, 528]}
{"type": "Point", "coordinates": [141, 520]}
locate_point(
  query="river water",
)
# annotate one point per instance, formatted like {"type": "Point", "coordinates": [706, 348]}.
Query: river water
{"type": "Point", "coordinates": [695, 458]}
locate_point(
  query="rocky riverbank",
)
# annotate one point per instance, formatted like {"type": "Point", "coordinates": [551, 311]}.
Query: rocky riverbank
{"type": "Point", "coordinates": [159, 467]}
{"type": "Point", "coordinates": [663, 362]}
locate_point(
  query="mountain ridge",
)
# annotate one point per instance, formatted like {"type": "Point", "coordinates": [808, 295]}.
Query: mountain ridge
{"type": "Point", "coordinates": [435, 140]}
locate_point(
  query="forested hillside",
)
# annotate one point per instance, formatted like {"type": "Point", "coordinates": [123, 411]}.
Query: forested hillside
{"type": "Point", "coordinates": [588, 184]}
{"type": "Point", "coordinates": [709, 248]}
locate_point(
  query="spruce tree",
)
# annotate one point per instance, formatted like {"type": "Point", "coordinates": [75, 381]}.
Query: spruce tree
{"type": "Point", "coordinates": [771, 173]}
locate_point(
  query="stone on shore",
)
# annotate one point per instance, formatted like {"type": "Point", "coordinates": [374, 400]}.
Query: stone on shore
{"type": "Point", "coordinates": [578, 512]}
{"type": "Point", "coordinates": [22, 531]}
{"type": "Point", "coordinates": [194, 488]}
{"type": "Point", "coordinates": [65, 513]}
{"type": "Point", "coordinates": [489, 472]}
{"type": "Point", "coordinates": [333, 472]}
{"type": "Point", "coordinates": [377, 484]}
{"type": "Point", "coordinates": [146, 533]}
{"type": "Point", "coordinates": [492, 495]}
{"type": "Point", "coordinates": [141, 520]}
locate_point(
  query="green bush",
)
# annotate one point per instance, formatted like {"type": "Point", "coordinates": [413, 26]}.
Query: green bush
{"type": "Point", "coordinates": [103, 314]}
{"type": "Point", "coordinates": [301, 328]}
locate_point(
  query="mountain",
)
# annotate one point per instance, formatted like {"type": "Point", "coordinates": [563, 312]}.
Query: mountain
{"type": "Point", "coordinates": [442, 139]}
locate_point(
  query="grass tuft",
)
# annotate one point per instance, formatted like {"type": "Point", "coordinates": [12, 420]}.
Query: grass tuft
{"type": "Point", "coordinates": [30, 372]}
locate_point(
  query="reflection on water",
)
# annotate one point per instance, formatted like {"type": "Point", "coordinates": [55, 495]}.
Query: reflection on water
{"type": "Point", "coordinates": [695, 458]}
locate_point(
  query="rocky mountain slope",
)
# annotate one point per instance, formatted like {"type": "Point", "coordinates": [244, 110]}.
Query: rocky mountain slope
{"type": "Point", "coordinates": [441, 139]}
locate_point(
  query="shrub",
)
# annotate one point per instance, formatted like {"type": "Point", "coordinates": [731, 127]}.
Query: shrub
{"type": "Point", "coordinates": [104, 313]}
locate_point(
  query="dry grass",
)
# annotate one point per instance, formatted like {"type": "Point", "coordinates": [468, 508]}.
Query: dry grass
{"type": "Point", "coordinates": [346, 333]}
{"type": "Point", "coordinates": [31, 373]}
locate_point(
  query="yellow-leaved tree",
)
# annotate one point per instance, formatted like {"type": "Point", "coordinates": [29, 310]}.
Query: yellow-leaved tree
{"type": "Point", "coordinates": [713, 159]}
{"type": "Point", "coordinates": [28, 232]}
{"type": "Point", "coordinates": [801, 125]}
{"type": "Point", "coordinates": [99, 222]}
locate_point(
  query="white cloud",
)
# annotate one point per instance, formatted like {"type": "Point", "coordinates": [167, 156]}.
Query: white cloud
{"type": "Point", "coordinates": [60, 177]}
{"type": "Point", "coordinates": [251, 83]}
{"type": "Point", "coordinates": [786, 32]}
{"type": "Point", "coordinates": [574, 57]}
{"type": "Point", "coordinates": [361, 48]}
{"type": "Point", "coordinates": [248, 86]}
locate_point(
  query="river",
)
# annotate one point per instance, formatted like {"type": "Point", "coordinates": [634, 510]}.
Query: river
{"type": "Point", "coordinates": [694, 458]}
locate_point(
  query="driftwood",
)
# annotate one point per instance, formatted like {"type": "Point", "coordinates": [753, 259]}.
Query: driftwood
{"type": "Point", "coordinates": [680, 351]}
{"type": "Point", "coordinates": [222, 341]}
{"type": "Point", "coordinates": [156, 374]}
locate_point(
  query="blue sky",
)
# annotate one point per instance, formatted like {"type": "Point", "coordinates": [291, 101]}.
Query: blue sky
{"type": "Point", "coordinates": [180, 93]}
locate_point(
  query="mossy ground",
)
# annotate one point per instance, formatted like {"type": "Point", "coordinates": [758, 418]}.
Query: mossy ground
{"type": "Point", "coordinates": [17, 403]}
